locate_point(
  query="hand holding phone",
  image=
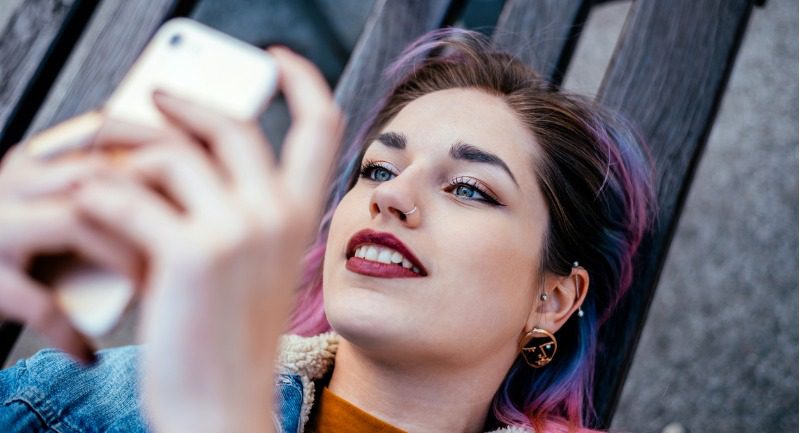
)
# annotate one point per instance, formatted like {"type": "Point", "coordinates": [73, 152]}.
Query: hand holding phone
{"type": "Point", "coordinates": [187, 60]}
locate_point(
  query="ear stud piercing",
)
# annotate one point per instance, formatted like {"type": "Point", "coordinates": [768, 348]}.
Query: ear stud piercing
{"type": "Point", "coordinates": [575, 264]}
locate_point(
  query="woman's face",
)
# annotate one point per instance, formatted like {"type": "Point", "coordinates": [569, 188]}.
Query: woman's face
{"type": "Point", "coordinates": [464, 160]}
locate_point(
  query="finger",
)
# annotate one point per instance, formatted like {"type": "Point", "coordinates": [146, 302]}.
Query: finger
{"type": "Point", "coordinates": [53, 226]}
{"type": "Point", "coordinates": [125, 207]}
{"type": "Point", "coordinates": [90, 131]}
{"type": "Point", "coordinates": [240, 147]}
{"type": "Point", "coordinates": [185, 173]}
{"type": "Point", "coordinates": [51, 177]}
{"type": "Point", "coordinates": [312, 141]}
{"type": "Point", "coordinates": [116, 132]}
{"type": "Point", "coordinates": [73, 134]}
{"type": "Point", "coordinates": [26, 301]}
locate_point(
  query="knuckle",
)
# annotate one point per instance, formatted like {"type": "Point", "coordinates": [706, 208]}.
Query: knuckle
{"type": "Point", "coordinates": [66, 218]}
{"type": "Point", "coordinates": [121, 209]}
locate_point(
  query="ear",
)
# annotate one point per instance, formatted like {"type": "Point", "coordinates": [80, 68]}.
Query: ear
{"type": "Point", "coordinates": [565, 294]}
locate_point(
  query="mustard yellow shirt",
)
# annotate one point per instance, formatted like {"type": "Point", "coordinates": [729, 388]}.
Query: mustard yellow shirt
{"type": "Point", "coordinates": [333, 414]}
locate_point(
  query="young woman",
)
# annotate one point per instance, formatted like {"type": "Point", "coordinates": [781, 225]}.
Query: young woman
{"type": "Point", "coordinates": [485, 229]}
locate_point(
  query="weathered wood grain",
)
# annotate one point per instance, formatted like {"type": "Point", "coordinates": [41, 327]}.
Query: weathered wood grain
{"type": "Point", "coordinates": [667, 75]}
{"type": "Point", "coordinates": [542, 33]}
{"type": "Point", "coordinates": [30, 32]}
{"type": "Point", "coordinates": [116, 35]}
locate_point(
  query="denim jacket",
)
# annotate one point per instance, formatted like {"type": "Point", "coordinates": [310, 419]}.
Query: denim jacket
{"type": "Point", "coordinates": [51, 393]}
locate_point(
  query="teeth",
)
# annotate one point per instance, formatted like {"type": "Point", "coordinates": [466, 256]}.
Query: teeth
{"type": "Point", "coordinates": [397, 257]}
{"type": "Point", "coordinates": [384, 255]}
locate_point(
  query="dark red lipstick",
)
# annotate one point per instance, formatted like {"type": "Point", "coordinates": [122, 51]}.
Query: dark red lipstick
{"type": "Point", "coordinates": [381, 270]}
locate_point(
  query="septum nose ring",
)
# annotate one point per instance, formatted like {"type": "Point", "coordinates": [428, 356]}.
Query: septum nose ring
{"type": "Point", "coordinates": [410, 212]}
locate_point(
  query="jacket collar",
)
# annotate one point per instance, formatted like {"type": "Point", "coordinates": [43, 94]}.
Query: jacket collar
{"type": "Point", "coordinates": [310, 358]}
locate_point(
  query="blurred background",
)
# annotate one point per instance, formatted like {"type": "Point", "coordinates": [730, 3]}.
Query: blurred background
{"type": "Point", "coordinates": [719, 352]}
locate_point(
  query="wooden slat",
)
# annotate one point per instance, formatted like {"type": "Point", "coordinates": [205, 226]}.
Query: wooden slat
{"type": "Point", "coordinates": [667, 75]}
{"type": "Point", "coordinates": [391, 26]}
{"type": "Point", "coordinates": [32, 35]}
{"type": "Point", "coordinates": [542, 33]}
{"type": "Point", "coordinates": [116, 34]}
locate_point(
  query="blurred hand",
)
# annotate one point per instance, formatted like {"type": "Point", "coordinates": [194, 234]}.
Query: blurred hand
{"type": "Point", "coordinates": [223, 228]}
{"type": "Point", "coordinates": [37, 217]}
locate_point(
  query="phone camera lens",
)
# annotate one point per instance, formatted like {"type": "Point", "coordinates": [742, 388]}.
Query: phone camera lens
{"type": "Point", "coordinates": [175, 40]}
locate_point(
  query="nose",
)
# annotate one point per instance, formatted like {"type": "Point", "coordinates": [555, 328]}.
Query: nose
{"type": "Point", "coordinates": [395, 200]}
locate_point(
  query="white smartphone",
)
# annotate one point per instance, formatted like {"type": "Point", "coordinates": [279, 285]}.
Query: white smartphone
{"type": "Point", "coordinates": [199, 64]}
{"type": "Point", "coordinates": [194, 62]}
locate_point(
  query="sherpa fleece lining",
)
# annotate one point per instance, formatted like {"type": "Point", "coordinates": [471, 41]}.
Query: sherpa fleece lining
{"type": "Point", "coordinates": [312, 357]}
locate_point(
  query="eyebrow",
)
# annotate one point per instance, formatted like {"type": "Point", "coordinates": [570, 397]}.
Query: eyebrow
{"type": "Point", "coordinates": [460, 151]}
{"type": "Point", "coordinates": [393, 140]}
{"type": "Point", "coordinates": [468, 152]}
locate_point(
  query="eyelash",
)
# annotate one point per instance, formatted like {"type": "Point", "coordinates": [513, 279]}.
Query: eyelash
{"type": "Point", "coordinates": [369, 166]}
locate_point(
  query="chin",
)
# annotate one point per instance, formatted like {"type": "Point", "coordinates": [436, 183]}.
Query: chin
{"type": "Point", "coordinates": [366, 319]}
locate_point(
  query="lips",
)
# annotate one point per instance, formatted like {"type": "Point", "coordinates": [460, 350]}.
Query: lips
{"type": "Point", "coordinates": [376, 269]}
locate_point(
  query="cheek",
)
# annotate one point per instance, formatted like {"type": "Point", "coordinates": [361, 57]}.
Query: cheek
{"type": "Point", "coordinates": [343, 223]}
{"type": "Point", "coordinates": [487, 279]}
{"type": "Point", "coordinates": [343, 301]}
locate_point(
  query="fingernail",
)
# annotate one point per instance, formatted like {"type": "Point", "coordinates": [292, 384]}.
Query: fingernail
{"type": "Point", "coordinates": [160, 94]}
{"type": "Point", "coordinates": [71, 135]}
{"type": "Point", "coordinates": [280, 49]}
{"type": "Point", "coordinates": [164, 95]}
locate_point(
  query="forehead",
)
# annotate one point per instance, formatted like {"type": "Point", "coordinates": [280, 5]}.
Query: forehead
{"type": "Point", "coordinates": [436, 120]}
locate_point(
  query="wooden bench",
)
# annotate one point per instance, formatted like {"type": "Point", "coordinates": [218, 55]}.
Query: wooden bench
{"type": "Point", "coordinates": [667, 74]}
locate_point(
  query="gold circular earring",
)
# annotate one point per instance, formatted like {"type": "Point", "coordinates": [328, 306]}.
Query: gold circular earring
{"type": "Point", "coordinates": [542, 352]}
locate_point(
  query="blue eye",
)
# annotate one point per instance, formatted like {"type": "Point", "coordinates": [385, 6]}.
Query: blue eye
{"type": "Point", "coordinates": [381, 174]}
{"type": "Point", "coordinates": [376, 172]}
{"type": "Point", "coordinates": [463, 187]}
{"type": "Point", "coordinates": [466, 191]}
{"type": "Point", "coordinates": [469, 188]}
